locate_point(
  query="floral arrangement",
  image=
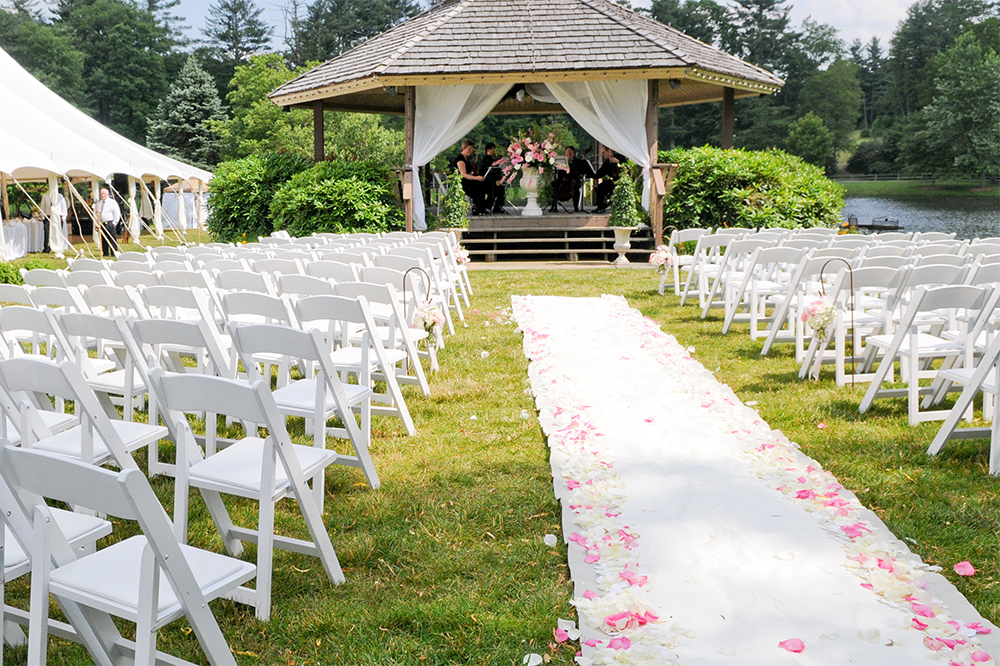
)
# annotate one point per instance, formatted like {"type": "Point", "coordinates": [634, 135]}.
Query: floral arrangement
{"type": "Point", "coordinates": [461, 255]}
{"type": "Point", "coordinates": [430, 317]}
{"type": "Point", "coordinates": [662, 259]}
{"type": "Point", "coordinates": [819, 316]}
{"type": "Point", "coordinates": [527, 153]}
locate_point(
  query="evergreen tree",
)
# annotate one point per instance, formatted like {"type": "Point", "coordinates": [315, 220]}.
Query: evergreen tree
{"type": "Point", "coordinates": [454, 207]}
{"type": "Point", "coordinates": [235, 30]}
{"type": "Point", "coordinates": [809, 138]}
{"type": "Point", "coordinates": [334, 26]}
{"type": "Point", "coordinates": [182, 127]}
{"type": "Point", "coordinates": [624, 207]}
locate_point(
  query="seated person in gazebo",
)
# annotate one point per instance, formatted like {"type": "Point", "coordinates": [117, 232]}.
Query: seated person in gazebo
{"type": "Point", "coordinates": [566, 186]}
{"type": "Point", "coordinates": [472, 182]}
{"type": "Point", "coordinates": [609, 171]}
{"type": "Point", "coordinates": [496, 194]}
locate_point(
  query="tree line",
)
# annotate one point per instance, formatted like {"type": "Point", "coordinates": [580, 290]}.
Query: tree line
{"type": "Point", "coordinates": [926, 102]}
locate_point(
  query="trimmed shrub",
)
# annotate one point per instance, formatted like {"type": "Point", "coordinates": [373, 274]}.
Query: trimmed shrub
{"type": "Point", "coordinates": [743, 188]}
{"type": "Point", "coordinates": [240, 205]}
{"type": "Point", "coordinates": [337, 196]}
{"type": "Point", "coordinates": [455, 207]}
{"type": "Point", "coordinates": [9, 274]}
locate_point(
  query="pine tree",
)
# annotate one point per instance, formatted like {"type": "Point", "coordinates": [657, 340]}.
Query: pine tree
{"type": "Point", "coordinates": [624, 211]}
{"type": "Point", "coordinates": [181, 126]}
{"type": "Point", "coordinates": [235, 30]}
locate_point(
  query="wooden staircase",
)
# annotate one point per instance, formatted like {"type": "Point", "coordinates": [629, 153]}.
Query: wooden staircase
{"type": "Point", "coordinates": [571, 237]}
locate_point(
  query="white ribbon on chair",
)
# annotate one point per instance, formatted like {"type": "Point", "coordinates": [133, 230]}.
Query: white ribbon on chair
{"type": "Point", "coordinates": [613, 112]}
{"type": "Point", "coordinates": [444, 114]}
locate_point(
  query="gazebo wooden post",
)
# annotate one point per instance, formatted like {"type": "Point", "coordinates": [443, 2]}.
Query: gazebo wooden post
{"type": "Point", "coordinates": [728, 116]}
{"type": "Point", "coordinates": [652, 138]}
{"type": "Point", "coordinates": [319, 152]}
{"type": "Point", "coordinates": [5, 212]}
{"type": "Point", "coordinates": [409, 115]}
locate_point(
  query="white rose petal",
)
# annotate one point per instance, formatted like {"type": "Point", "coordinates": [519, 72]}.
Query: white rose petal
{"type": "Point", "coordinates": [525, 415]}
{"type": "Point", "coordinates": [473, 417]}
{"type": "Point", "coordinates": [551, 540]}
{"type": "Point", "coordinates": [532, 659]}
{"type": "Point", "coordinates": [871, 635]}
{"type": "Point", "coordinates": [484, 354]}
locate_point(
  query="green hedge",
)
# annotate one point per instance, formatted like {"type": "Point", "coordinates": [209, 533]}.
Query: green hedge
{"type": "Point", "coordinates": [337, 196]}
{"type": "Point", "coordinates": [240, 205]}
{"type": "Point", "coordinates": [744, 188]}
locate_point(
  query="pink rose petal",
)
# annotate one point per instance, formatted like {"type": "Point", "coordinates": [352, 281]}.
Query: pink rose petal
{"type": "Point", "coordinates": [917, 624]}
{"type": "Point", "coordinates": [922, 610]}
{"type": "Point", "coordinates": [964, 569]}
{"type": "Point", "coordinates": [792, 645]}
{"type": "Point", "coordinates": [979, 628]}
{"type": "Point", "coordinates": [821, 426]}
{"type": "Point", "coordinates": [979, 655]}
{"type": "Point", "coordinates": [591, 595]}
{"type": "Point", "coordinates": [561, 635]}
{"type": "Point", "coordinates": [621, 643]}
{"type": "Point", "coordinates": [592, 642]}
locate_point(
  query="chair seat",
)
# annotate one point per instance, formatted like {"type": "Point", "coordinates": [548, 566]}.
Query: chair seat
{"type": "Point", "coordinates": [114, 382]}
{"type": "Point", "coordinates": [349, 358]}
{"type": "Point", "coordinates": [964, 375]}
{"type": "Point", "coordinates": [135, 435]}
{"type": "Point", "coordinates": [54, 421]}
{"type": "Point", "coordinates": [237, 468]}
{"type": "Point", "coordinates": [109, 579]}
{"type": "Point", "coordinates": [78, 528]}
{"type": "Point", "coordinates": [298, 398]}
{"type": "Point", "coordinates": [927, 345]}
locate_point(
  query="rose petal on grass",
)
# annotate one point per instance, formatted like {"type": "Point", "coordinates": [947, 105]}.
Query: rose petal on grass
{"type": "Point", "coordinates": [792, 645]}
{"type": "Point", "coordinates": [550, 540]}
{"type": "Point", "coordinates": [561, 635]}
{"type": "Point", "coordinates": [822, 426]}
{"type": "Point", "coordinates": [532, 659]}
{"type": "Point", "coordinates": [964, 569]}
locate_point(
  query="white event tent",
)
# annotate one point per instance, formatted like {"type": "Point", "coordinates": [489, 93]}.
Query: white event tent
{"type": "Point", "coordinates": [45, 138]}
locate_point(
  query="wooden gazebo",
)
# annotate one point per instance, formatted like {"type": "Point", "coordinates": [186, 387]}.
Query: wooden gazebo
{"type": "Point", "coordinates": [521, 42]}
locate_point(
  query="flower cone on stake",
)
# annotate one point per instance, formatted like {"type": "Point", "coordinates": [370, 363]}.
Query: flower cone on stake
{"type": "Point", "coordinates": [432, 320]}
{"type": "Point", "coordinates": [819, 316]}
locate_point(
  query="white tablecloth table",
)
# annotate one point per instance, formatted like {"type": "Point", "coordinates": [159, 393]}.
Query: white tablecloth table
{"type": "Point", "coordinates": [36, 235]}
{"type": "Point", "coordinates": [15, 236]}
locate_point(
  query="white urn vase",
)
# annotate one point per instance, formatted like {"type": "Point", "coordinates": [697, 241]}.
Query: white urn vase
{"type": "Point", "coordinates": [622, 243]}
{"type": "Point", "coordinates": [530, 181]}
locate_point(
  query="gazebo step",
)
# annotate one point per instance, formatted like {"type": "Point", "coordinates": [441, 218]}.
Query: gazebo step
{"type": "Point", "coordinates": [539, 244]}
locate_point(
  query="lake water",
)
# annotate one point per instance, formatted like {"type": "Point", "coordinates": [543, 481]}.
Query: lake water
{"type": "Point", "coordinates": [972, 217]}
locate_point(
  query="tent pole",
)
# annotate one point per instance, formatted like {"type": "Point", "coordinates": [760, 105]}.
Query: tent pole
{"type": "Point", "coordinates": [95, 196]}
{"type": "Point", "coordinates": [182, 218]}
{"type": "Point", "coordinates": [134, 230]}
{"type": "Point", "coordinates": [409, 110]}
{"type": "Point", "coordinates": [197, 208]}
{"type": "Point", "coordinates": [157, 209]}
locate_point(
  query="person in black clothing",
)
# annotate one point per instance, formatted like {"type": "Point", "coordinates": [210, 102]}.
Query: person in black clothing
{"type": "Point", "coordinates": [496, 194]}
{"type": "Point", "coordinates": [609, 171]}
{"type": "Point", "coordinates": [567, 184]}
{"type": "Point", "coordinates": [472, 182]}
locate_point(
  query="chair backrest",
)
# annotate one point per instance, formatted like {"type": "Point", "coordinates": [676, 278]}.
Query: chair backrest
{"type": "Point", "coordinates": [166, 302]}
{"type": "Point", "coordinates": [189, 278]}
{"type": "Point", "coordinates": [87, 278]}
{"type": "Point", "coordinates": [827, 231]}
{"type": "Point", "coordinates": [124, 266]}
{"type": "Point", "coordinates": [949, 259]}
{"type": "Point", "coordinates": [949, 297]}
{"type": "Point", "coordinates": [238, 304]}
{"type": "Point", "coordinates": [164, 336]}
{"type": "Point", "coordinates": [140, 257]}
{"type": "Point", "coordinates": [804, 243]}
{"type": "Point", "coordinates": [333, 308]}
{"type": "Point", "coordinates": [337, 271]}
{"type": "Point", "coordinates": [277, 266]}
{"type": "Point", "coordinates": [884, 261]}
{"type": "Point", "coordinates": [42, 277]}
{"type": "Point", "coordinates": [933, 236]}
{"type": "Point", "coordinates": [83, 264]}
{"type": "Point", "coordinates": [167, 252]}
{"type": "Point", "coordinates": [114, 301]}
{"type": "Point", "coordinates": [930, 275]}
{"type": "Point", "coordinates": [135, 279]}
{"type": "Point", "coordinates": [678, 236]}
{"type": "Point", "coordinates": [15, 294]}
{"type": "Point", "coordinates": [202, 251]}
{"type": "Point", "coordinates": [239, 280]}
{"type": "Point", "coordinates": [839, 252]}
{"type": "Point", "coordinates": [884, 251]}
{"type": "Point", "coordinates": [211, 264]}
{"type": "Point", "coordinates": [304, 285]}
{"type": "Point", "coordinates": [352, 256]}
{"type": "Point", "coordinates": [167, 266]}
{"type": "Point", "coordinates": [68, 298]}
{"type": "Point", "coordinates": [929, 250]}
{"type": "Point", "coordinates": [400, 263]}
{"type": "Point", "coordinates": [382, 275]}
{"type": "Point", "coordinates": [893, 235]}
{"type": "Point", "coordinates": [851, 241]}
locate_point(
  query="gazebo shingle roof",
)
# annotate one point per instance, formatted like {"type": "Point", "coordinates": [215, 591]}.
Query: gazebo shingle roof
{"type": "Point", "coordinates": [468, 41]}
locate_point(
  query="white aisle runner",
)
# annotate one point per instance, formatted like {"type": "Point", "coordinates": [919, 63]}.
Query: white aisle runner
{"type": "Point", "coordinates": [697, 534]}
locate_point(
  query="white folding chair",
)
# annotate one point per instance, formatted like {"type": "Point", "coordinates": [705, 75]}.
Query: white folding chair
{"type": "Point", "coordinates": [149, 579]}
{"type": "Point", "coordinates": [318, 397]}
{"type": "Point", "coordinates": [678, 238]}
{"type": "Point", "coordinates": [87, 278]}
{"type": "Point", "coordinates": [330, 269]}
{"type": "Point", "coordinates": [42, 277]}
{"type": "Point", "coordinates": [263, 470]}
{"type": "Point", "coordinates": [340, 317]}
{"type": "Point", "coordinates": [916, 346]}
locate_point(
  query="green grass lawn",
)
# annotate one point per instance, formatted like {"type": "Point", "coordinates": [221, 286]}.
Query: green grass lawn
{"type": "Point", "coordinates": [445, 563]}
{"type": "Point", "coordinates": [917, 188]}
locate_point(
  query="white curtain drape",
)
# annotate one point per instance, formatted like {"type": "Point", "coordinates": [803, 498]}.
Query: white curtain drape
{"type": "Point", "coordinates": [613, 112]}
{"type": "Point", "coordinates": [444, 114]}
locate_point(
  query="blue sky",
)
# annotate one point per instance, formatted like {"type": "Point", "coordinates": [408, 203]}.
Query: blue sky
{"type": "Point", "coordinates": [861, 19]}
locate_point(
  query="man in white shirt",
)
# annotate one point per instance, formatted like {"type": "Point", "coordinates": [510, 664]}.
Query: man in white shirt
{"type": "Point", "coordinates": [110, 214]}
{"type": "Point", "coordinates": [59, 214]}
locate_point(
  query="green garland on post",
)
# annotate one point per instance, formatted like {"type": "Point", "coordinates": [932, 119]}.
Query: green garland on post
{"type": "Point", "coordinates": [624, 208]}
{"type": "Point", "coordinates": [454, 207]}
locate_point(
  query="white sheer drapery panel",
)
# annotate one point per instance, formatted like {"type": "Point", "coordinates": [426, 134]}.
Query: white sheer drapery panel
{"type": "Point", "coordinates": [443, 115]}
{"type": "Point", "coordinates": [57, 235]}
{"type": "Point", "coordinates": [614, 113]}
{"type": "Point", "coordinates": [134, 228]}
{"type": "Point", "coordinates": [540, 93]}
